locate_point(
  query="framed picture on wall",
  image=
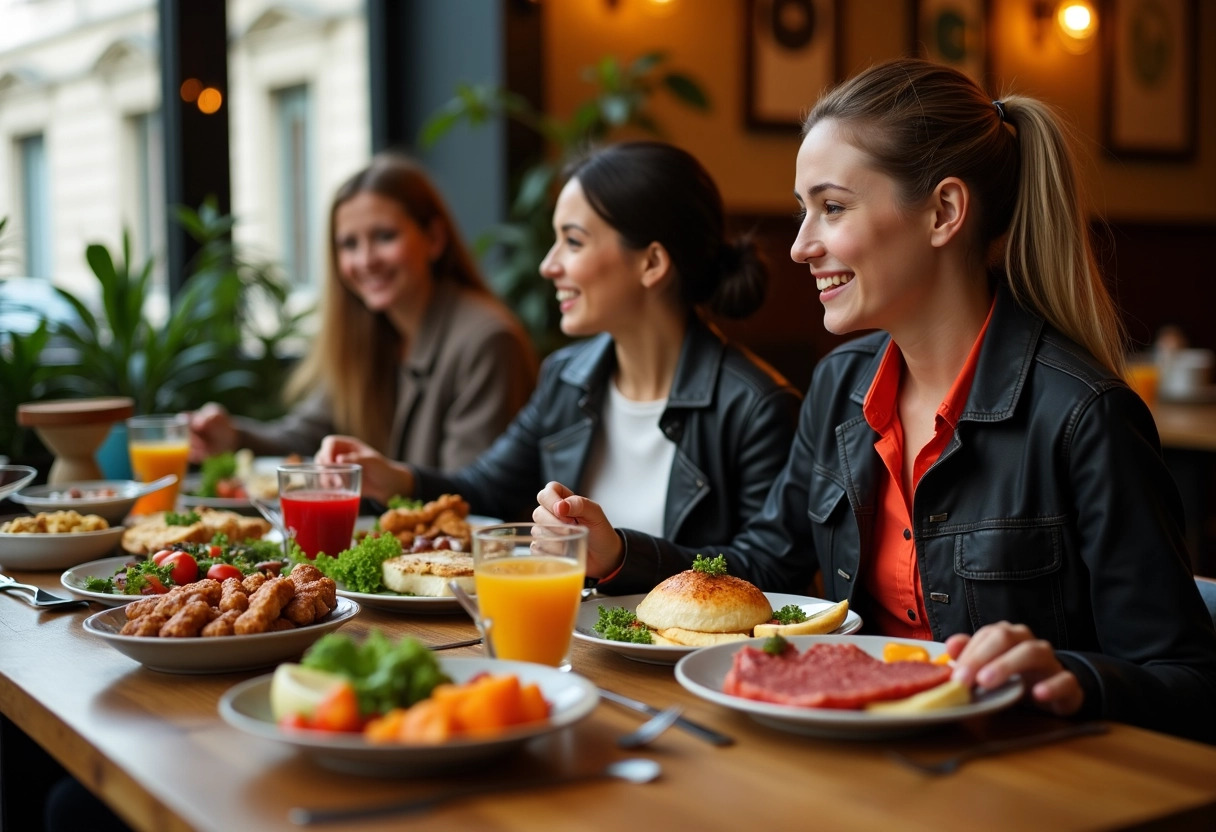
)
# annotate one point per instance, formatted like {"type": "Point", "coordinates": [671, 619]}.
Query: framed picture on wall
{"type": "Point", "coordinates": [954, 33]}
{"type": "Point", "coordinates": [1150, 64]}
{"type": "Point", "coordinates": [791, 55]}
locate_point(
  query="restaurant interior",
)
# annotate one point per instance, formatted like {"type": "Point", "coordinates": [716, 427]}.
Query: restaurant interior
{"type": "Point", "coordinates": [1148, 147]}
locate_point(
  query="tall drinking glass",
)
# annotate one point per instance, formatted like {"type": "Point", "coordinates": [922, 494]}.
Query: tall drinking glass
{"type": "Point", "coordinates": [159, 444]}
{"type": "Point", "coordinates": [320, 504]}
{"type": "Point", "coordinates": [529, 581]}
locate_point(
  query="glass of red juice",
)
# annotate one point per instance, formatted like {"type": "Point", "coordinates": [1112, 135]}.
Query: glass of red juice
{"type": "Point", "coordinates": [320, 504]}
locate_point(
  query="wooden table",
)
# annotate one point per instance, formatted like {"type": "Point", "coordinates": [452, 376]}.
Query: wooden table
{"type": "Point", "coordinates": [153, 747]}
{"type": "Point", "coordinates": [1186, 426]}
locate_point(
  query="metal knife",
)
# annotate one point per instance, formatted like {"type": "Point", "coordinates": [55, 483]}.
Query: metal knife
{"type": "Point", "coordinates": [695, 728]}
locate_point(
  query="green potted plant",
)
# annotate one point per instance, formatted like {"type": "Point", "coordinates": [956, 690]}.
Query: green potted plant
{"type": "Point", "coordinates": [514, 249]}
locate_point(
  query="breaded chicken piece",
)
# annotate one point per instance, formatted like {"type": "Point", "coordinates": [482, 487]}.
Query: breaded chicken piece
{"type": "Point", "coordinates": [208, 588]}
{"type": "Point", "coordinates": [148, 624]}
{"type": "Point", "coordinates": [253, 581]}
{"type": "Point", "coordinates": [233, 597]}
{"type": "Point", "coordinates": [189, 621]}
{"type": "Point", "coordinates": [223, 625]}
{"type": "Point", "coordinates": [265, 605]}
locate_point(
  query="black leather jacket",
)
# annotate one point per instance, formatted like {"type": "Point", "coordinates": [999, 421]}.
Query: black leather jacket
{"type": "Point", "coordinates": [1050, 507]}
{"type": "Point", "coordinates": [732, 420]}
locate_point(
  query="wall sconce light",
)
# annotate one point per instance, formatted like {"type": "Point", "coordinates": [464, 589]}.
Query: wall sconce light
{"type": "Point", "coordinates": [1076, 22]}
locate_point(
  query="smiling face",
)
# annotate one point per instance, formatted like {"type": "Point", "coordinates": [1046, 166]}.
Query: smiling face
{"type": "Point", "coordinates": [598, 281]}
{"type": "Point", "coordinates": [383, 255]}
{"type": "Point", "coordinates": [869, 254]}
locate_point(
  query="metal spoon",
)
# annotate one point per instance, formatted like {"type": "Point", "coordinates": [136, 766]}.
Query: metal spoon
{"type": "Point", "coordinates": [274, 517]}
{"type": "Point", "coordinates": [650, 729]}
{"type": "Point", "coordinates": [632, 770]}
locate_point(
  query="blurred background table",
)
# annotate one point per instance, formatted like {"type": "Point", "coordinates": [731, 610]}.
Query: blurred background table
{"type": "Point", "coordinates": [1188, 439]}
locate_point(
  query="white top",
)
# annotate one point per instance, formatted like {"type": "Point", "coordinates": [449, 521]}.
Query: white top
{"type": "Point", "coordinates": [630, 463]}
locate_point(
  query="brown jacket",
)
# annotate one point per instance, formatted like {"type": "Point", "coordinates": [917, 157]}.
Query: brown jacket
{"type": "Point", "coordinates": [470, 370]}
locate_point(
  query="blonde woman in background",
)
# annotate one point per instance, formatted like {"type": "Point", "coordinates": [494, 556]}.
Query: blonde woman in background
{"type": "Point", "coordinates": [414, 355]}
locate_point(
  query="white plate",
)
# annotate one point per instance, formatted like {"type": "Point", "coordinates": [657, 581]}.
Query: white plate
{"type": "Point", "coordinates": [191, 501]}
{"type": "Point", "coordinates": [12, 477]}
{"type": "Point", "coordinates": [114, 509]}
{"type": "Point", "coordinates": [588, 615]}
{"type": "Point", "coordinates": [74, 580]}
{"type": "Point", "coordinates": [226, 654]}
{"type": "Point", "coordinates": [703, 672]}
{"type": "Point", "coordinates": [571, 697]}
{"type": "Point", "coordinates": [409, 604]}
{"type": "Point", "coordinates": [56, 551]}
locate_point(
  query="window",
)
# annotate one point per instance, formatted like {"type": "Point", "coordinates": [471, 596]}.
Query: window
{"type": "Point", "coordinates": [147, 165]}
{"type": "Point", "coordinates": [35, 205]}
{"type": "Point", "coordinates": [293, 113]}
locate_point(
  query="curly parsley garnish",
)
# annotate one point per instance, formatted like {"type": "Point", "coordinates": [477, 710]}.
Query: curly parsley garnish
{"type": "Point", "coordinates": [173, 518]}
{"type": "Point", "coordinates": [789, 614]}
{"type": "Point", "coordinates": [710, 566]}
{"type": "Point", "coordinates": [619, 624]}
{"type": "Point", "coordinates": [774, 645]}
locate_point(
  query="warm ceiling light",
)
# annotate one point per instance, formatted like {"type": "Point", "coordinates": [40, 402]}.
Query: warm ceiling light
{"type": "Point", "coordinates": [1078, 23]}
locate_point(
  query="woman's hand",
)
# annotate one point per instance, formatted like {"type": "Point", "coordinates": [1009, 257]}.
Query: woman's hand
{"type": "Point", "coordinates": [558, 504]}
{"type": "Point", "coordinates": [998, 651]}
{"type": "Point", "coordinates": [211, 432]}
{"type": "Point", "coordinates": [382, 478]}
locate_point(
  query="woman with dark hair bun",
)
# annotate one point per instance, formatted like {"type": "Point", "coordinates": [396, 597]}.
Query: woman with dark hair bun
{"type": "Point", "coordinates": [665, 426]}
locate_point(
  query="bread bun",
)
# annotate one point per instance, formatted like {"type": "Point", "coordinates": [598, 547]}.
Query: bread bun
{"type": "Point", "coordinates": [693, 600]}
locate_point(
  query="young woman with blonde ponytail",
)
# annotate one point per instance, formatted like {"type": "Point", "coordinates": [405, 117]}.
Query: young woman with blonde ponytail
{"type": "Point", "coordinates": [976, 471]}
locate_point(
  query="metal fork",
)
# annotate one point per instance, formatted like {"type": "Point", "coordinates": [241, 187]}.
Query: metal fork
{"type": "Point", "coordinates": [39, 597]}
{"type": "Point", "coordinates": [949, 765]}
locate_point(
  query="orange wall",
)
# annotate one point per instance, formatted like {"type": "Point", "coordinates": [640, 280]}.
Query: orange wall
{"type": "Point", "coordinates": [755, 170]}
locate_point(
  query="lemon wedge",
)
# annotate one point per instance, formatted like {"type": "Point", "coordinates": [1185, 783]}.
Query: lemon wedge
{"type": "Point", "coordinates": [296, 689]}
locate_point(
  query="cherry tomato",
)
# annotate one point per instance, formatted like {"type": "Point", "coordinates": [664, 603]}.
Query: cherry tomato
{"type": "Point", "coordinates": [154, 586]}
{"type": "Point", "coordinates": [295, 722]}
{"type": "Point", "coordinates": [214, 551]}
{"type": "Point", "coordinates": [222, 571]}
{"type": "Point", "coordinates": [185, 568]}
{"type": "Point", "coordinates": [161, 555]}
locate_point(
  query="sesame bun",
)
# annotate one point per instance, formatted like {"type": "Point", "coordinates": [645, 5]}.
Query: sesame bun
{"type": "Point", "coordinates": [693, 600]}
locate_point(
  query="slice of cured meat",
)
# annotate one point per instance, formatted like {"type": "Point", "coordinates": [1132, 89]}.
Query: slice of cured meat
{"type": "Point", "coordinates": [827, 676]}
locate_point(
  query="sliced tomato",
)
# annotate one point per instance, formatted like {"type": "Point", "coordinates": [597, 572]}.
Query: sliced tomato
{"type": "Point", "coordinates": [222, 571]}
{"type": "Point", "coordinates": [159, 557]}
{"type": "Point", "coordinates": [295, 722]}
{"type": "Point", "coordinates": [185, 568]}
{"type": "Point", "coordinates": [153, 586]}
{"type": "Point", "coordinates": [339, 711]}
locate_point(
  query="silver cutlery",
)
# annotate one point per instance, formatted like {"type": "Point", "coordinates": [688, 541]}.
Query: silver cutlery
{"type": "Point", "coordinates": [650, 730]}
{"type": "Point", "coordinates": [474, 610]}
{"type": "Point", "coordinates": [39, 597]}
{"type": "Point", "coordinates": [632, 770]}
{"type": "Point", "coordinates": [684, 723]}
{"type": "Point", "coordinates": [450, 645]}
{"type": "Point", "coordinates": [949, 765]}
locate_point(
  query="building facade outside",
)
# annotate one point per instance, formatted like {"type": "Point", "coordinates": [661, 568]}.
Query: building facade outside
{"type": "Point", "coordinates": [80, 138]}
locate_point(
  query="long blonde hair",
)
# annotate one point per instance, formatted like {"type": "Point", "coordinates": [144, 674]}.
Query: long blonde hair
{"type": "Point", "coordinates": [921, 122]}
{"type": "Point", "coordinates": [356, 354]}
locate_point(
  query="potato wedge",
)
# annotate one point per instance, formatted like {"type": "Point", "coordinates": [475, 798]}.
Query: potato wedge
{"type": "Point", "coordinates": [949, 694]}
{"type": "Point", "coordinates": [824, 621]}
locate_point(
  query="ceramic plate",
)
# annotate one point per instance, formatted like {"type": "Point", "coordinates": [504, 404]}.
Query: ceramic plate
{"type": "Point", "coordinates": [588, 615]}
{"type": "Point", "coordinates": [703, 672]}
{"type": "Point", "coordinates": [409, 604]}
{"type": "Point", "coordinates": [571, 697]}
{"type": "Point", "coordinates": [228, 654]}
{"type": "Point", "coordinates": [56, 551]}
{"type": "Point", "coordinates": [74, 580]}
{"type": "Point", "coordinates": [12, 477]}
{"type": "Point", "coordinates": [113, 508]}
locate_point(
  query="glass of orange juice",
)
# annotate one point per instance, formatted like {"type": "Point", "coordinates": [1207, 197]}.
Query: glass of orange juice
{"type": "Point", "coordinates": [159, 444]}
{"type": "Point", "coordinates": [529, 580]}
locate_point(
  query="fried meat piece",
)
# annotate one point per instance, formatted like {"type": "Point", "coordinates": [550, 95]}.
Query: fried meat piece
{"type": "Point", "coordinates": [143, 606]}
{"type": "Point", "coordinates": [265, 605]}
{"type": "Point", "coordinates": [398, 521]}
{"type": "Point", "coordinates": [280, 624]}
{"type": "Point", "coordinates": [222, 625]}
{"type": "Point", "coordinates": [253, 581]}
{"type": "Point", "coordinates": [233, 596]}
{"type": "Point", "coordinates": [148, 624]}
{"type": "Point", "coordinates": [208, 588]}
{"type": "Point", "coordinates": [189, 621]}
